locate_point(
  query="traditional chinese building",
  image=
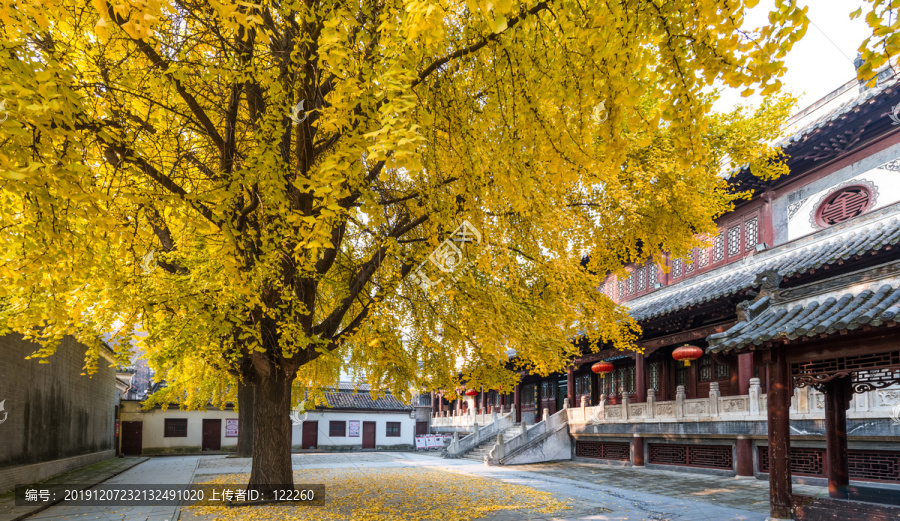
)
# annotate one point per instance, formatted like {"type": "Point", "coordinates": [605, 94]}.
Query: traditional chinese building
{"type": "Point", "coordinates": [790, 314]}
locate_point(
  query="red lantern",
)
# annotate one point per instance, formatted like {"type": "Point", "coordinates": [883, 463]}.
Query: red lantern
{"type": "Point", "coordinates": [602, 368]}
{"type": "Point", "coordinates": [471, 392]}
{"type": "Point", "coordinates": [687, 353]}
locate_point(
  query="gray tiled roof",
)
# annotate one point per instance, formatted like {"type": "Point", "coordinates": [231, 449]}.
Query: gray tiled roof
{"type": "Point", "coordinates": [349, 400]}
{"type": "Point", "coordinates": [830, 116]}
{"type": "Point", "coordinates": [350, 386]}
{"type": "Point", "coordinates": [835, 245]}
{"type": "Point", "coordinates": [813, 315]}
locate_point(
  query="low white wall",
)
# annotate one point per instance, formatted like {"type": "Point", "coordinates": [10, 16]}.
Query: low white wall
{"type": "Point", "coordinates": [153, 431]}
{"type": "Point", "coordinates": [407, 428]}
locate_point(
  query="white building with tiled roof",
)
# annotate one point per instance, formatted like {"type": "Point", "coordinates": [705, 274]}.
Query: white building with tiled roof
{"type": "Point", "coordinates": [355, 420]}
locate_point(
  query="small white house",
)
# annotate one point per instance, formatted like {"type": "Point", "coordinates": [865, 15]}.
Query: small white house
{"type": "Point", "coordinates": [356, 421]}
{"type": "Point", "coordinates": [157, 431]}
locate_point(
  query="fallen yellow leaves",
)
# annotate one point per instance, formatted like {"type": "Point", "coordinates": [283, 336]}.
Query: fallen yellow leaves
{"type": "Point", "coordinates": [385, 494]}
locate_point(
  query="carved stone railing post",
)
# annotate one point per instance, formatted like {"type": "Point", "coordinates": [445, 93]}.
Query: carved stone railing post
{"type": "Point", "coordinates": [714, 399]}
{"type": "Point", "coordinates": [755, 391]}
{"type": "Point", "coordinates": [499, 449]}
{"type": "Point", "coordinates": [679, 401]}
{"type": "Point", "coordinates": [625, 401]}
{"type": "Point", "coordinates": [651, 403]}
{"type": "Point", "coordinates": [476, 433]}
{"type": "Point", "coordinates": [565, 403]}
{"type": "Point", "coordinates": [601, 407]}
{"type": "Point", "coordinates": [512, 411]}
{"type": "Point", "coordinates": [494, 416]}
{"type": "Point", "coordinates": [546, 414]}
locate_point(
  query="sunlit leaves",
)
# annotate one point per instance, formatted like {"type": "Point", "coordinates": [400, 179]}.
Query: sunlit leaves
{"type": "Point", "coordinates": [145, 125]}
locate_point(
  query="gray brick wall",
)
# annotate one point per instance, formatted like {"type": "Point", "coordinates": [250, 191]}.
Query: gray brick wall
{"type": "Point", "coordinates": [53, 412]}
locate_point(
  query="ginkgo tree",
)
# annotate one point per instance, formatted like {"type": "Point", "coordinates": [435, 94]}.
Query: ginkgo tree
{"type": "Point", "coordinates": [273, 191]}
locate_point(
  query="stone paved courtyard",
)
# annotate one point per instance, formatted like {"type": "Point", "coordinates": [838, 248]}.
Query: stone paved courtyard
{"type": "Point", "coordinates": [406, 485]}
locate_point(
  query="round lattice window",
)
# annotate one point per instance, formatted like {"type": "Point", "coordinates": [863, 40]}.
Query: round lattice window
{"type": "Point", "coordinates": [843, 205]}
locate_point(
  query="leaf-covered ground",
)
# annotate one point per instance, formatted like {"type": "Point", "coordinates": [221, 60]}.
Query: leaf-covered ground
{"type": "Point", "coordinates": [391, 495]}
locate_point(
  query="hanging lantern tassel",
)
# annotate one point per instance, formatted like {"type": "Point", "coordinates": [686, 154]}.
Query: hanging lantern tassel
{"type": "Point", "coordinates": [602, 368]}
{"type": "Point", "coordinates": [687, 353]}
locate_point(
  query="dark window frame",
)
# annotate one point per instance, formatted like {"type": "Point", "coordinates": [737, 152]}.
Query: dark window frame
{"type": "Point", "coordinates": [389, 429]}
{"type": "Point", "coordinates": [175, 428]}
{"type": "Point", "coordinates": [337, 433]}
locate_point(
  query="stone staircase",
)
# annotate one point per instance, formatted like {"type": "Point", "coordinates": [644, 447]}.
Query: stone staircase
{"type": "Point", "coordinates": [483, 449]}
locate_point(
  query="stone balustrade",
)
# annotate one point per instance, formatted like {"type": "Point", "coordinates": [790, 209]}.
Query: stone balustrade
{"type": "Point", "coordinates": [467, 419]}
{"type": "Point", "coordinates": [807, 403]}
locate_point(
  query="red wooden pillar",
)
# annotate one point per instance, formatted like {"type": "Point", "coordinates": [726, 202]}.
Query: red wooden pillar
{"type": "Point", "coordinates": [640, 378]}
{"type": "Point", "coordinates": [665, 380]}
{"type": "Point", "coordinates": [745, 372]}
{"type": "Point", "coordinates": [837, 398]}
{"type": "Point", "coordinates": [517, 400]}
{"type": "Point", "coordinates": [570, 385]}
{"type": "Point", "coordinates": [744, 456]}
{"type": "Point", "coordinates": [637, 451]}
{"type": "Point", "coordinates": [779, 404]}
{"type": "Point", "coordinates": [691, 377]}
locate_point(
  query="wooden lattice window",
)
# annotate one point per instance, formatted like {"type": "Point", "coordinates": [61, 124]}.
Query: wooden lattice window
{"type": "Point", "coordinates": [652, 277]}
{"type": "Point", "coordinates": [689, 263]}
{"type": "Point", "coordinates": [614, 450]}
{"type": "Point", "coordinates": [864, 465]}
{"type": "Point", "coordinates": [582, 385]}
{"type": "Point", "coordinates": [392, 429]}
{"type": "Point", "coordinates": [751, 233]}
{"type": "Point", "coordinates": [723, 371]}
{"type": "Point", "coordinates": [528, 392]}
{"type": "Point", "coordinates": [705, 369]}
{"type": "Point", "coordinates": [629, 283]}
{"type": "Point", "coordinates": [734, 240]}
{"type": "Point", "coordinates": [548, 390]}
{"type": "Point", "coordinates": [707, 456]}
{"type": "Point", "coordinates": [653, 375]}
{"type": "Point", "coordinates": [608, 384]}
{"type": "Point", "coordinates": [676, 268]}
{"type": "Point", "coordinates": [843, 205]}
{"type": "Point", "coordinates": [641, 281]}
{"type": "Point", "coordinates": [718, 248]}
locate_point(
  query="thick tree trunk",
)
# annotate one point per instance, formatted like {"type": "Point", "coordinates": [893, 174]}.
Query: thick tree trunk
{"type": "Point", "coordinates": [271, 469]}
{"type": "Point", "coordinates": [245, 420]}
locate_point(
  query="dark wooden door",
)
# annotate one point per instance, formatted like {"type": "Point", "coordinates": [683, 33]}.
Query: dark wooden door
{"type": "Point", "coordinates": [132, 438]}
{"type": "Point", "coordinates": [212, 435]}
{"type": "Point", "coordinates": [368, 441]}
{"type": "Point", "coordinates": [561, 394]}
{"type": "Point", "coordinates": [310, 438]}
{"type": "Point", "coordinates": [421, 428]}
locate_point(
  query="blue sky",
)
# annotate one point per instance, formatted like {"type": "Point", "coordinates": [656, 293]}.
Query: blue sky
{"type": "Point", "coordinates": [822, 60]}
